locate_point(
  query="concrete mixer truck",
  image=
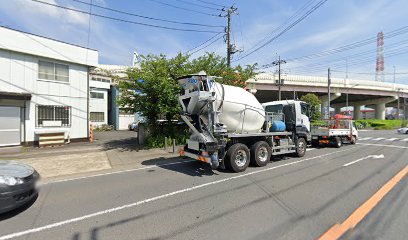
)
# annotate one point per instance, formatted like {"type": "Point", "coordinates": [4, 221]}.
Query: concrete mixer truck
{"type": "Point", "coordinates": [231, 129]}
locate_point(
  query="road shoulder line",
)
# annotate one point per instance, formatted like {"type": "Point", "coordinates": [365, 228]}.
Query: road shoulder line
{"type": "Point", "coordinates": [338, 230]}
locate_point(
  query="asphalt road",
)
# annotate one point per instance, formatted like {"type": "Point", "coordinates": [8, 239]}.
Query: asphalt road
{"type": "Point", "coordinates": [290, 198]}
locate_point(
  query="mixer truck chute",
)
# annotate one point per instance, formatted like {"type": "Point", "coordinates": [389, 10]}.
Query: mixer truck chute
{"type": "Point", "coordinates": [230, 128]}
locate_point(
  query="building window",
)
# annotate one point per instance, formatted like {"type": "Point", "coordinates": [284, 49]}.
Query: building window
{"type": "Point", "coordinates": [53, 71]}
{"type": "Point", "coordinates": [98, 95]}
{"type": "Point", "coordinates": [97, 116]}
{"type": "Point", "coordinates": [53, 116]}
{"type": "Point", "coordinates": [100, 79]}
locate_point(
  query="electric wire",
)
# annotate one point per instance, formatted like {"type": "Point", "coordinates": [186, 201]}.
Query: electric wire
{"type": "Point", "coordinates": [350, 46]}
{"type": "Point", "coordinates": [299, 11]}
{"type": "Point", "coordinates": [146, 17]}
{"type": "Point", "coordinates": [211, 3]}
{"type": "Point", "coordinates": [123, 20]}
{"type": "Point", "coordinates": [310, 11]}
{"type": "Point", "coordinates": [199, 5]}
{"type": "Point", "coordinates": [211, 43]}
{"type": "Point", "coordinates": [186, 9]}
{"type": "Point", "coordinates": [206, 41]}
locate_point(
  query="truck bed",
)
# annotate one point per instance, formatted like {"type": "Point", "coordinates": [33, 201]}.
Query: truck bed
{"type": "Point", "coordinates": [322, 131]}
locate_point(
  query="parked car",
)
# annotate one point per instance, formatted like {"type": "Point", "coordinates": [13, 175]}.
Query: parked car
{"type": "Point", "coordinates": [17, 185]}
{"type": "Point", "coordinates": [133, 126]}
{"type": "Point", "coordinates": [403, 130]}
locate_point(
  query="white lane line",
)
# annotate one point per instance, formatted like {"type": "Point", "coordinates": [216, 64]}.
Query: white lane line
{"type": "Point", "coordinates": [361, 159]}
{"type": "Point", "coordinates": [362, 139]}
{"type": "Point", "coordinates": [404, 140]}
{"type": "Point", "coordinates": [116, 172]}
{"type": "Point", "coordinates": [111, 210]}
{"type": "Point", "coordinates": [391, 139]}
{"type": "Point", "coordinates": [377, 139]}
{"type": "Point", "coordinates": [310, 149]}
{"type": "Point", "coordinates": [382, 145]}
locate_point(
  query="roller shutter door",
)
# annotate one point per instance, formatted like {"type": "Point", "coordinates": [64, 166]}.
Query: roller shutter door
{"type": "Point", "coordinates": [10, 126]}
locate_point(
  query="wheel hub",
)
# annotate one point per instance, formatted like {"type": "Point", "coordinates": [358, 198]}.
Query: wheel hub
{"type": "Point", "coordinates": [241, 158]}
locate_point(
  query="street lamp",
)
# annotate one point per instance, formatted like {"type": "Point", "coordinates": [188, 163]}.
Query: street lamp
{"type": "Point", "coordinates": [347, 102]}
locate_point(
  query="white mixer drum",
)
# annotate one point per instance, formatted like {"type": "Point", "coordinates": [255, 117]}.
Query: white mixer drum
{"type": "Point", "coordinates": [240, 110]}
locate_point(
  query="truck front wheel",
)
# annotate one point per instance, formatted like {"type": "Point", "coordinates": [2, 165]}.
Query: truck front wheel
{"type": "Point", "coordinates": [260, 154]}
{"type": "Point", "coordinates": [237, 158]}
{"type": "Point", "coordinates": [301, 147]}
{"type": "Point", "coordinates": [353, 140]}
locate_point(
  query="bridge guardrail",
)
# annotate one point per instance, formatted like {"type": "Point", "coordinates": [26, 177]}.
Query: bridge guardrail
{"type": "Point", "coordinates": [336, 82]}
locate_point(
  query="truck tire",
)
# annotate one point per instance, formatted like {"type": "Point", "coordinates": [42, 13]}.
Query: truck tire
{"type": "Point", "coordinates": [337, 142]}
{"type": "Point", "coordinates": [353, 140]}
{"type": "Point", "coordinates": [301, 146]}
{"type": "Point", "coordinates": [237, 158]}
{"type": "Point", "coordinates": [260, 154]}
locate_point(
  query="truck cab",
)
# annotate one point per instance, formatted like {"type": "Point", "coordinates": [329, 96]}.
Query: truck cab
{"type": "Point", "coordinates": [295, 111]}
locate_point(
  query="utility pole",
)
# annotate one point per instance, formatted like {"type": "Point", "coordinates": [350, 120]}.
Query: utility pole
{"type": "Point", "coordinates": [280, 82]}
{"type": "Point", "coordinates": [230, 47]}
{"type": "Point", "coordinates": [328, 92]}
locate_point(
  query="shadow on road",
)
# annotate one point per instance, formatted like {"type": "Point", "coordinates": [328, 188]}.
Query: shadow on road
{"type": "Point", "coordinates": [191, 168]}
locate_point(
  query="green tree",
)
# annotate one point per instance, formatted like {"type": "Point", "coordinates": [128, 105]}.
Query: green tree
{"type": "Point", "coordinates": [152, 89]}
{"type": "Point", "coordinates": [314, 102]}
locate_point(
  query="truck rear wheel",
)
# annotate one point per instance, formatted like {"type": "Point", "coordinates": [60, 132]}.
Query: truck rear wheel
{"type": "Point", "coordinates": [237, 158]}
{"type": "Point", "coordinates": [301, 147]}
{"type": "Point", "coordinates": [337, 142]}
{"type": "Point", "coordinates": [260, 154]}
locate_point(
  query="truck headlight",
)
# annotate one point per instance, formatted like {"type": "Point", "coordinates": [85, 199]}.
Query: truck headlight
{"type": "Point", "coordinates": [10, 181]}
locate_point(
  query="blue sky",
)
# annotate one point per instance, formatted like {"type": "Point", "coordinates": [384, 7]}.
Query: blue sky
{"type": "Point", "coordinates": [334, 24]}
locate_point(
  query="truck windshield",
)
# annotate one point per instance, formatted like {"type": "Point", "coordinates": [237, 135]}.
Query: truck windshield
{"type": "Point", "coordinates": [274, 108]}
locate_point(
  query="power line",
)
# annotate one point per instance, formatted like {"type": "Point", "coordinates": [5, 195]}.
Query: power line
{"type": "Point", "coordinates": [186, 9]}
{"type": "Point", "coordinates": [352, 56]}
{"type": "Point", "coordinates": [350, 46]}
{"type": "Point", "coordinates": [206, 41]}
{"type": "Point", "coordinates": [211, 43]}
{"type": "Point", "coordinates": [145, 17]}
{"type": "Point", "coordinates": [299, 11]}
{"type": "Point", "coordinates": [123, 20]}
{"type": "Point", "coordinates": [310, 11]}
{"type": "Point", "coordinates": [211, 3]}
{"type": "Point", "coordinates": [199, 5]}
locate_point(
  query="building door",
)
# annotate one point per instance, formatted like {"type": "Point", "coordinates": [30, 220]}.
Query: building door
{"type": "Point", "coordinates": [10, 126]}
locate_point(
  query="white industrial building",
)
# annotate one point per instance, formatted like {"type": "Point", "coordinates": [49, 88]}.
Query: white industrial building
{"type": "Point", "coordinates": [98, 99]}
{"type": "Point", "coordinates": [111, 74]}
{"type": "Point", "coordinates": [44, 88]}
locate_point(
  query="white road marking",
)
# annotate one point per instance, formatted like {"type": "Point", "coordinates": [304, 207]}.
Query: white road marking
{"type": "Point", "coordinates": [377, 139]}
{"type": "Point", "coordinates": [382, 145]}
{"type": "Point", "coordinates": [111, 210]}
{"type": "Point", "coordinates": [362, 139]}
{"type": "Point", "coordinates": [361, 159]}
{"type": "Point", "coordinates": [404, 140]}
{"type": "Point", "coordinates": [116, 172]}
{"type": "Point", "coordinates": [310, 149]}
{"type": "Point", "coordinates": [391, 139]}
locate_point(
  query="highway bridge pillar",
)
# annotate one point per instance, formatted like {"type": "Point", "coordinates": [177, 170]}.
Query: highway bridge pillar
{"type": "Point", "coordinates": [380, 111]}
{"type": "Point", "coordinates": [356, 111]}
{"type": "Point", "coordinates": [325, 102]}
{"type": "Point", "coordinates": [337, 110]}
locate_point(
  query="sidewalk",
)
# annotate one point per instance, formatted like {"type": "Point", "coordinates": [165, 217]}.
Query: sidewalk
{"type": "Point", "coordinates": [111, 151]}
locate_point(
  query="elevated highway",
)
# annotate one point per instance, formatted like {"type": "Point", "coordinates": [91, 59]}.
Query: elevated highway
{"type": "Point", "coordinates": [345, 92]}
